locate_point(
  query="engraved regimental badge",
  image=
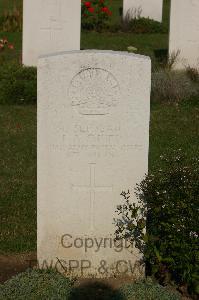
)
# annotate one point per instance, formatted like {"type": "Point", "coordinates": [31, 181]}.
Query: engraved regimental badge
{"type": "Point", "coordinates": [94, 91]}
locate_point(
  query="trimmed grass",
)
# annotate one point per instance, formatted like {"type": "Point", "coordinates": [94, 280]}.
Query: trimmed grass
{"type": "Point", "coordinates": [172, 127]}
{"type": "Point", "coordinates": [18, 178]}
{"type": "Point", "coordinates": [145, 43]}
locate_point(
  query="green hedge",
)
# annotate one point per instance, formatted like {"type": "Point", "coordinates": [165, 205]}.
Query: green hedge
{"type": "Point", "coordinates": [168, 208]}
{"type": "Point", "coordinates": [18, 84]}
{"type": "Point", "coordinates": [51, 285]}
{"type": "Point", "coordinates": [36, 285]}
{"type": "Point", "coordinates": [147, 291]}
{"type": "Point", "coordinates": [142, 25]}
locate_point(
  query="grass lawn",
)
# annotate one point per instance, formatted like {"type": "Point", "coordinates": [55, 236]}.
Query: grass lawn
{"type": "Point", "coordinates": [171, 127]}
{"type": "Point", "coordinates": [145, 43]}
{"type": "Point", "coordinates": [120, 41]}
{"type": "Point", "coordinates": [18, 178]}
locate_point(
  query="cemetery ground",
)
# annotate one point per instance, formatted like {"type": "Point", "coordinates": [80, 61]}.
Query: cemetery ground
{"type": "Point", "coordinates": [173, 126]}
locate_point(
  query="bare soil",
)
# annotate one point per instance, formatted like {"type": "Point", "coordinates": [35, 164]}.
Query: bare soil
{"type": "Point", "coordinates": [11, 265]}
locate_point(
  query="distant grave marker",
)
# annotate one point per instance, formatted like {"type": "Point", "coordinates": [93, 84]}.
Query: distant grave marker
{"type": "Point", "coordinates": [50, 26]}
{"type": "Point", "coordinates": [184, 33]}
{"type": "Point", "coordinates": [144, 8]}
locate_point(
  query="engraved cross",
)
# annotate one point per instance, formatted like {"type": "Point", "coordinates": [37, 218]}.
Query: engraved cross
{"type": "Point", "coordinates": [52, 28]}
{"type": "Point", "coordinates": [55, 19]}
{"type": "Point", "coordinates": [93, 188]}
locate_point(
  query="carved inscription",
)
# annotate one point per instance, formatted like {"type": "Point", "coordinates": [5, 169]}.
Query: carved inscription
{"type": "Point", "coordinates": [95, 141]}
{"type": "Point", "coordinates": [94, 91]}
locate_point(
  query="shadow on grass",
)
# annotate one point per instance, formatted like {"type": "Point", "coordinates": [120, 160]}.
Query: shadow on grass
{"type": "Point", "coordinates": [95, 291]}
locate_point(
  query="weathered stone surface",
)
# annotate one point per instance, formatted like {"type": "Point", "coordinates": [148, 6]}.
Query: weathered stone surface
{"type": "Point", "coordinates": [50, 26]}
{"type": "Point", "coordinates": [93, 138]}
{"type": "Point", "coordinates": [145, 8]}
{"type": "Point", "coordinates": [184, 33]}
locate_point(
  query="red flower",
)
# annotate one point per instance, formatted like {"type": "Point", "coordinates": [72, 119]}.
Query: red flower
{"type": "Point", "coordinates": [106, 10]}
{"type": "Point", "coordinates": [91, 9]}
{"type": "Point", "coordinates": [87, 4]}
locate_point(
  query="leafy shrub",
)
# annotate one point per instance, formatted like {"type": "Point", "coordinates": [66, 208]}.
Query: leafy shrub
{"type": "Point", "coordinates": [168, 208]}
{"type": "Point", "coordinates": [147, 290]}
{"type": "Point", "coordinates": [172, 86]}
{"type": "Point", "coordinates": [142, 25]}
{"type": "Point", "coordinates": [95, 14]}
{"type": "Point", "coordinates": [36, 284]}
{"type": "Point", "coordinates": [11, 20]}
{"type": "Point", "coordinates": [48, 284]}
{"type": "Point", "coordinates": [18, 84]}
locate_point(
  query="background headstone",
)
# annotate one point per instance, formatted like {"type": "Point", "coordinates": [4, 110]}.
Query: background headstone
{"type": "Point", "coordinates": [50, 26]}
{"type": "Point", "coordinates": [145, 8]}
{"type": "Point", "coordinates": [93, 138]}
{"type": "Point", "coordinates": [184, 32]}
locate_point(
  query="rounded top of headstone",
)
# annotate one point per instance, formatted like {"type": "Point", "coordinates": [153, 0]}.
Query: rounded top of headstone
{"type": "Point", "coordinates": [98, 52]}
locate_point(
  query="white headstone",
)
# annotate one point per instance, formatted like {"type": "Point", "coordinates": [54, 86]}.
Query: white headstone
{"type": "Point", "coordinates": [144, 8]}
{"type": "Point", "coordinates": [93, 138]}
{"type": "Point", "coordinates": [184, 33]}
{"type": "Point", "coordinates": [50, 26]}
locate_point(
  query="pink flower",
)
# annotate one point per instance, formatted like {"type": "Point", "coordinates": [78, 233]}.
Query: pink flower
{"type": "Point", "coordinates": [11, 46]}
{"type": "Point", "coordinates": [5, 41]}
